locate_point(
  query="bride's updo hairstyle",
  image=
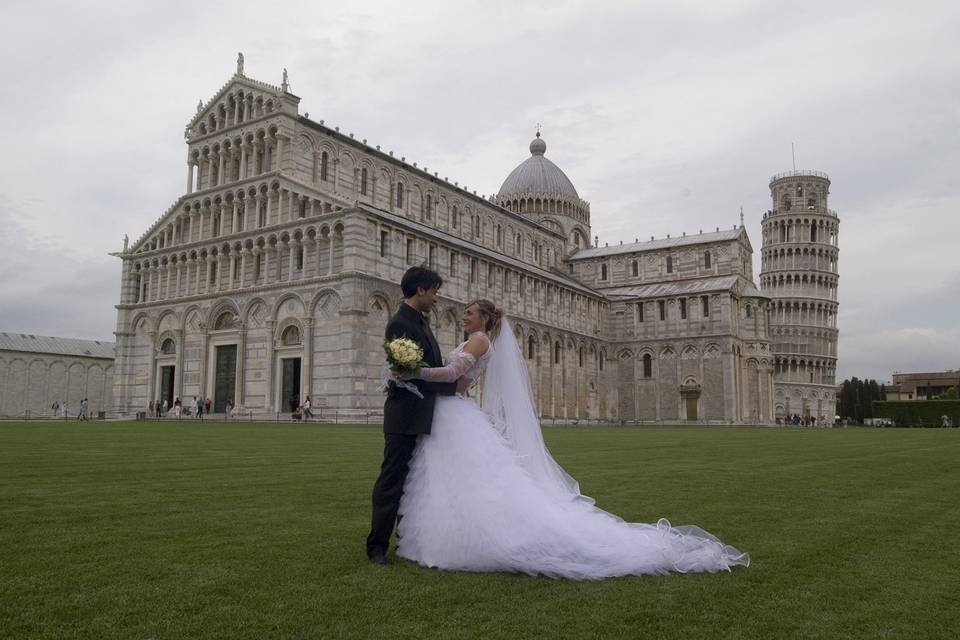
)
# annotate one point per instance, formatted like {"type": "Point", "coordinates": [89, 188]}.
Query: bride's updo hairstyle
{"type": "Point", "coordinates": [491, 314]}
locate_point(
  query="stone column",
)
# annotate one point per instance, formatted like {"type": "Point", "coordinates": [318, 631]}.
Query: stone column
{"type": "Point", "coordinates": [218, 284]}
{"type": "Point", "coordinates": [257, 155]}
{"type": "Point", "coordinates": [271, 328]}
{"type": "Point", "coordinates": [241, 367]}
{"type": "Point", "coordinates": [243, 266]}
{"type": "Point", "coordinates": [220, 179]}
{"type": "Point", "coordinates": [316, 241]}
{"type": "Point", "coordinates": [270, 207]}
{"type": "Point", "coordinates": [266, 264]}
{"type": "Point", "coordinates": [292, 245]}
{"type": "Point", "coordinates": [178, 372]}
{"type": "Point", "coordinates": [332, 235]}
{"type": "Point", "coordinates": [233, 269]}
{"type": "Point", "coordinates": [204, 350]}
{"type": "Point", "coordinates": [209, 170]}
{"type": "Point", "coordinates": [336, 175]}
{"type": "Point", "coordinates": [189, 177]}
{"type": "Point", "coordinates": [308, 355]}
{"type": "Point", "coordinates": [243, 160]}
{"type": "Point", "coordinates": [373, 191]}
{"type": "Point", "coordinates": [235, 222]}
{"type": "Point", "coordinates": [152, 372]}
{"type": "Point", "coordinates": [279, 153]}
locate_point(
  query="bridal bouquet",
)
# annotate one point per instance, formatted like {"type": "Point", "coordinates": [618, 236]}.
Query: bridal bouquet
{"type": "Point", "coordinates": [405, 356]}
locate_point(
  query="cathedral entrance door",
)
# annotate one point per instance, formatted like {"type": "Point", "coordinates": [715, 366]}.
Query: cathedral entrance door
{"type": "Point", "coordinates": [290, 383]}
{"type": "Point", "coordinates": [166, 384]}
{"type": "Point", "coordinates": [691, 408]}
{"type": "Point", "coordinates": [225, 377]}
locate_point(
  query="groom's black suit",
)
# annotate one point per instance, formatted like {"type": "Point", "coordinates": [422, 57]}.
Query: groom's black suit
{"type": "Point", "coordinates": [405, 416]}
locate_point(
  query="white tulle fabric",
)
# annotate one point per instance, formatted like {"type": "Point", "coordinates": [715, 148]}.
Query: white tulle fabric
{"type": "Point", "coordinates": [471, 503]}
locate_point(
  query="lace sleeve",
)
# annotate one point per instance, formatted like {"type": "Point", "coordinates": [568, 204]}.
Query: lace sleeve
{"type": "Point", "coordinates": [459, 365]}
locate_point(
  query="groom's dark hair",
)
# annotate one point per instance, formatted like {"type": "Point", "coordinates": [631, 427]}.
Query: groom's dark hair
{"type": "Point", "coordinates": [419, 278]}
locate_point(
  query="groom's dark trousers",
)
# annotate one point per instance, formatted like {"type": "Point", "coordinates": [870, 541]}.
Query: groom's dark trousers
{"type": "Point", "coordinates": [405, 416]}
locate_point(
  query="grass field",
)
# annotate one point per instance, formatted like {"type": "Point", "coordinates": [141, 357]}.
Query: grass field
{"type": "Point", "coordinates": [217, 530]}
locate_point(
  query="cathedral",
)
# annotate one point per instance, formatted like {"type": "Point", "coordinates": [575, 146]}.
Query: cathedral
{"type": "Point", "coordinates": [272, 277]}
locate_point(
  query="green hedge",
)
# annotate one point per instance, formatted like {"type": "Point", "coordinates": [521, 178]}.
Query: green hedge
{"type": "Point", "coordinates": [907, 413]}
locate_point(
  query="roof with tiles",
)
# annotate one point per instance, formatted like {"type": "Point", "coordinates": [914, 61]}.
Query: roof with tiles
{"type": "Point", "coordinates": [660, 243]}
{"type": "Point", "coordinates": [685, 287]}
{"type": "Point", "coordinates": [29, 343]}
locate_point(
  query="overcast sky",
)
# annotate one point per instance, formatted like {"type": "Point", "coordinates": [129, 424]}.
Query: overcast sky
{"type": "Point", "coordinates": [667, 116]}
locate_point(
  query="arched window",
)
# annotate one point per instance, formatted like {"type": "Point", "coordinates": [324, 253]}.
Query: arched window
{"type": "Point", "coordinates": [323, 165]}
{"type": "Point", "coordinates": [749, 311]}
{"type": "Point", "coordinates": [669, 264]}
{"type": "Point", "coordinates": [454, 214]}
{"type": "Point", "coordinates": [580, 357]}
{"type": "Point", "coordinates": [399, 195]}
{"type": "Point", "coordinates": [601, 361]}
{"type": "Point", "coordinates": [428, 209]}
{"type": "Point", "coordinates": [603, 271]}
{"type": "Point", "coordinates": [363, 182]}
{"type": "Point", "coordinates": [499, 236]}
{"type": "Point", "coordinates": [556, 353]}
{"type": "Point", "coordinates": [168, 347]}
{"type": "Point", "coordinates": [531, 345]}
{"type": "Point", "coordinates": [647, 365]}
{"type": "Point", "coordinates": [706, 260]}
{"type": "Point", "coordinates": [225, 320]}
{"type": "Point", "coordinates": [290, 335]}
{"type": "Point", "coordinates": [634, 269]}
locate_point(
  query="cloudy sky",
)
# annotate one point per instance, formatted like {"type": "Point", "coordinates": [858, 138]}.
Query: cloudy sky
{"type": "Point", "coordinates": [667, 116]}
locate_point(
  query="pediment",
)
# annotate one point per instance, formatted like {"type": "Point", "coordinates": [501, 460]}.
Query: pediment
{"type": "Point", "coordinates": [222, 101]}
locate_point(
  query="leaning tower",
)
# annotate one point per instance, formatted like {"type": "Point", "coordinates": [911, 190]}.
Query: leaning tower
{"type": "Point", "coordinates": [799, 273]}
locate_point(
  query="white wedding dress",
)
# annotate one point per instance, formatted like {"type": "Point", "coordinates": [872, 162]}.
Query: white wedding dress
{"type": "Point", "coordinates": [482, 494]}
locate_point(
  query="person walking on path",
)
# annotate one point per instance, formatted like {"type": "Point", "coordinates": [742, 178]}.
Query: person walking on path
{"type": "Point", "coordinates": [306, 409]}
{"type": "Point", "coordinates": [200, 408]}
{"type": "Point", "coordinates": [177, 408]}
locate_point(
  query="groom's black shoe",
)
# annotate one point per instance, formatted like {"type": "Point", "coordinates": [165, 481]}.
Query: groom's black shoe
{"type": "Point", "coordinates": [378, 557]}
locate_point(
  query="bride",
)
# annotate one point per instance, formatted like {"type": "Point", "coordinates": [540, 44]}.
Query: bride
{"type": "Point", "coordinates": [484, 494]}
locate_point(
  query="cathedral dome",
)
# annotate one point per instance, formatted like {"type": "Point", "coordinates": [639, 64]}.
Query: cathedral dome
{"type": "Point", "coordinates": [538, 175]}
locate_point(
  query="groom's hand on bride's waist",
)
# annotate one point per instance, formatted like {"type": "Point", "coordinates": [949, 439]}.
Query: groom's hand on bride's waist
{"type": "Point", "coordinates": [463, 385]}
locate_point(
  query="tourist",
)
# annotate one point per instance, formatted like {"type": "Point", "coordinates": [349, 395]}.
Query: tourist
{"type": "Point", "coordinates": [199, 403]}
{"type": "Point", "coordinates": [228, 410]}
{"type": "Point", "coordinates": [306, 409]}
{"type": "Point", "coordinates": [158, 407]}
{"type": "Point", "coordinates": [297, 413]}
{"type": "Point", "coordinates": [150, 410]}
{"type": "Point", "coordinates": [206, 405]}
{"type": "Point", "coordinates": [177, 408]}
{"type": "Point", "coordinates": [83, 410]}
{"type": "Point", "coordinates": [166, 406]}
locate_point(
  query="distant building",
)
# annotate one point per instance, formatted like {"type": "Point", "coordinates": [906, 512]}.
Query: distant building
{"type": "Point", "coordinates": [922, 386]}
{"type": "Point", "coordinates": [39, 372]}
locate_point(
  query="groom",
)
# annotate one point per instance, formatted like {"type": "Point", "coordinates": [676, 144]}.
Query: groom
{"type": "Point", "coordinates": [405, 416]}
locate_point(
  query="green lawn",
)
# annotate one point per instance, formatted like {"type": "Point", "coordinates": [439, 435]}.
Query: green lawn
{"type": "Point", "coordinates": [215, 530]}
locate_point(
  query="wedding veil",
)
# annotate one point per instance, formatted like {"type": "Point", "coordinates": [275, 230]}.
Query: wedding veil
{"type": "Point", "coordinates": [507, 398]}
